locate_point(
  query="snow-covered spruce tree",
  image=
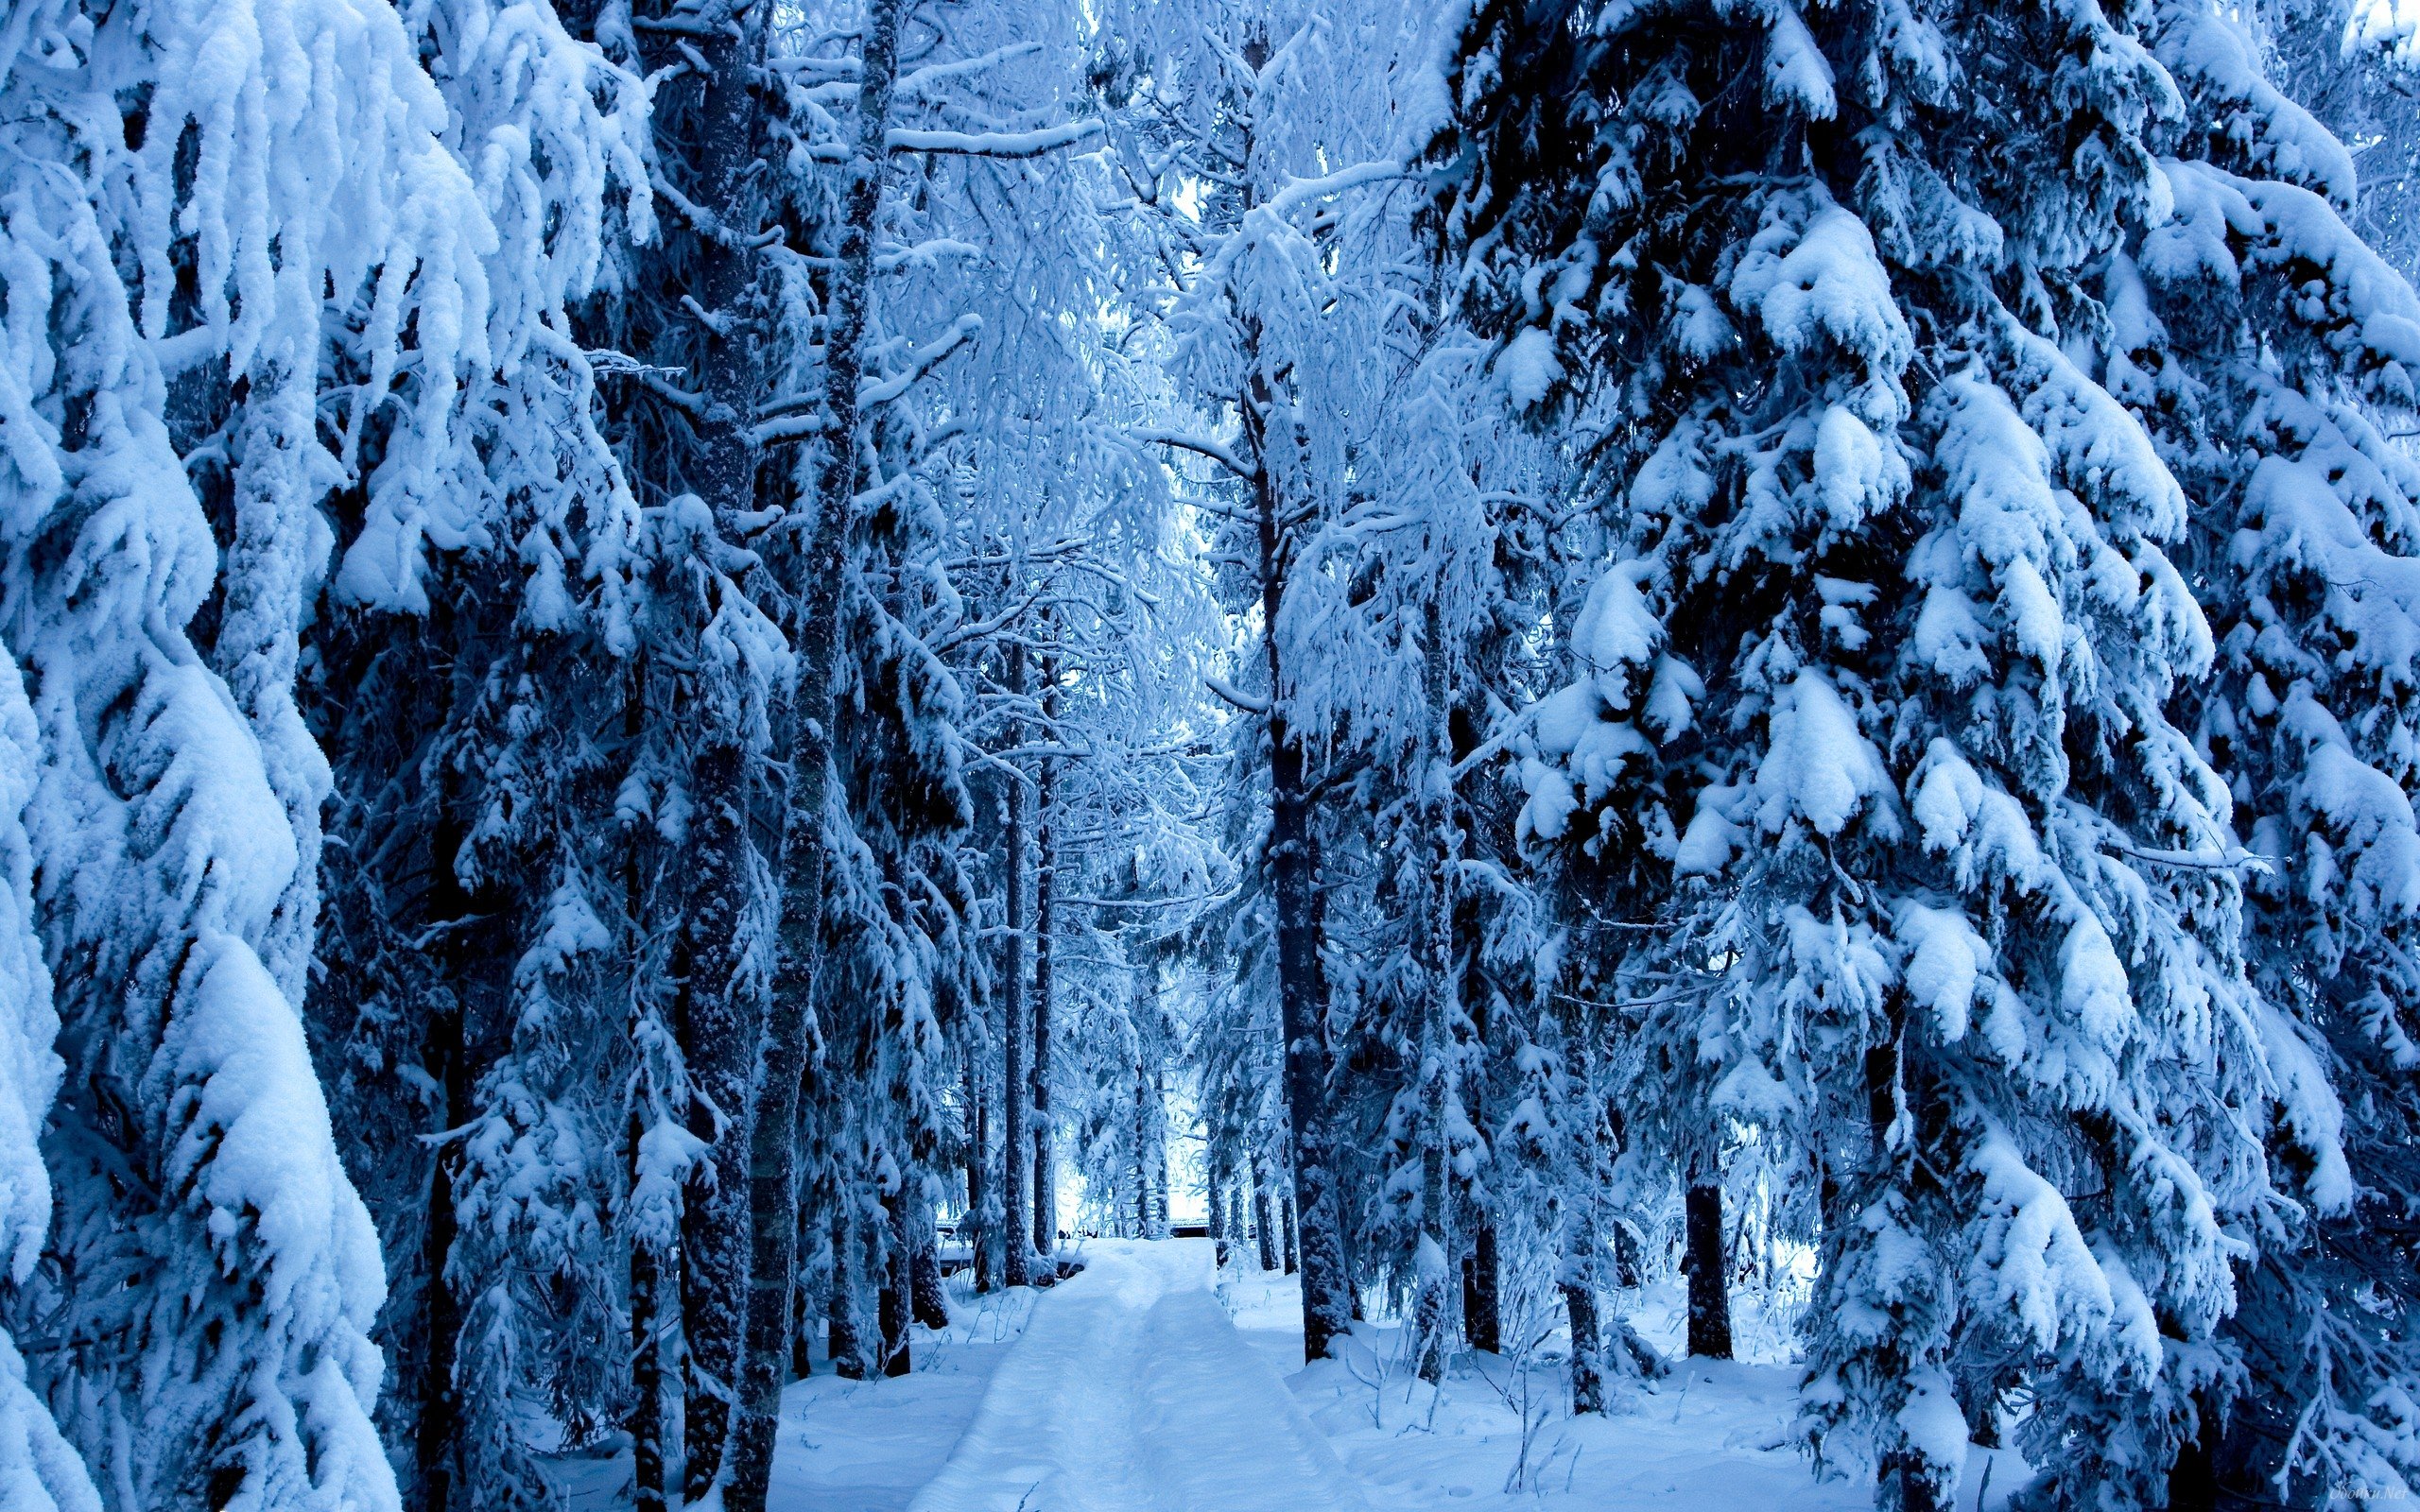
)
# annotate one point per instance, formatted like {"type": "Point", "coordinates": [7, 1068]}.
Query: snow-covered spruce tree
{"type": "Point", "coordinates": [219, 214]}
{"type": "Point", "coordinates": [483, 880]}
{"type": "Point", "coordinates": [2269, 351]}
{"type": "Point", "coordinates": [2349, 64]}
{"type": "Point", "coordinates": [38, 1469]}
{"type": "Point", "coordinates": [1280, 114]}
{"type": "Point", "coordinates": [1871, 723]}
{"type": "Point", "coordinates": [873, 895]}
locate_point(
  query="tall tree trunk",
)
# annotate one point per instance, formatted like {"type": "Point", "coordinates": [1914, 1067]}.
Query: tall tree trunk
{"type": "Point", "coordinates": [1295, 865]}
{"type": "Point", "coordinates": [1264, 1222]}
{"type": "Point", "coordinates": [790, 1029]}
{"type": "Point", "coordinates": [1142, 1157]}
{"type": "Point", "coordinates": [1710, 1280]}
{"type": "Point", "coordinates": [810, 1220]}
{"type": "Point", "coordinates": [978, 1155]}
{"type": "Point", "coordinates": [648, 1487]}
{"type": "Point", "coordinates": [1045, 888]}
{"type": "Point", "coordinates": [1217, 1210]}
{"type": "Point", "coordinates": [709, 124]}
{"type": "Point", "coordinates": [843, 1336]}
{"type": "Point", "coordinates": [897, 1284]}
{"type": "Point", "coordinates": [1017, 1014]}
{"type": "Point", "coordinates": [931, 1301]}
{"type": "Point", "coordinates": [1432, 955]}
{"type": "Point", "coordinates": [436, 1441]}
{"type": "Point", "coordinates": [650, 1432]}
{"type": "Point", "coordinates": [469, 954]}
{"type": "Point", "coordinates": [1482, 1277]}
{"type": "Point", "coordinates": [1483, 1269]}
{"type": "Point", "coordinates": [1576, 1206]}
{"type": "Point", "coordinates": [718, 1016]}
{"type": "Point", "coordinates": [1160, 1183]}
{"type": "Point", "coordinates": [1286, 1226]}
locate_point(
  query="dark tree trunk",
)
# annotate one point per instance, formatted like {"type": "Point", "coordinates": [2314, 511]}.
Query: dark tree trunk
{"type": "Point", "coordinates": [718, 1019]}
{"type": "Point", "coordinates": [805, 1314]}
{"type": "Point", "coordinates": [897, 1283]}
{"type": "Point", "coordinates": [1160, 1181]}
{"type": "Point", "coordinates": [1264, 1224]}
{"type": "Point", "coordinates": [1587, 1349]}
{"type": "Point", "coordinates": [1482, 1319]}
{"type": "Point", "coordinates": [1218, 1210]}
{"type": "Point", "coordinates": [436, 1441]}
{"type": "Point", "coordinates": [932, 1300]}
{"type": "Point", "coordinates": [978, 1156]}
{"type": "Point", "coordinates": [648, 1429]}
{"type": "Point", "coordinates": [1142, 1170]}
{"type": "Point", "coordinates": [1286, 1228]}
{"type": "Point", "coordinates": [1709, 1279]}
{"type": "Point", "coordinates": [468, 954]}
{"type": "Point", "coordinates": [1593, 1133]}
{"type": "Point", "coordinates": [708, 124]}
{"type": "Point", "coordinates": [1016, 1017]}
{"type": "Point", "coordinates": [648, 1491]}
{"type": "Point", "coordinates": [790, 1031]}
{"type": "Point", "coordinates": [1045, 888]}
{"type": "Point", "coordinates": [844, 1338]}
{"type": "Point", "coordinates": [1301, 983]}
{"type": "Point", "coordinates": [1432, 934]}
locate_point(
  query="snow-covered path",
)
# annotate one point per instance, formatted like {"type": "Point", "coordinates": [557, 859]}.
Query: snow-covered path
{"type": "Point", "coordinates": [1132, 1392]}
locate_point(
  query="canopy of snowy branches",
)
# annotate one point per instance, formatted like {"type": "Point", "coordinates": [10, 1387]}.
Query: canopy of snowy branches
{"type": "Point", "coordinates": [667, 665]}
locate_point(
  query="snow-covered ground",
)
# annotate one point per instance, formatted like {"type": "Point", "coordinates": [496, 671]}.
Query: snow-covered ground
{"type": "Point", "coordinates": [1139, 1386]}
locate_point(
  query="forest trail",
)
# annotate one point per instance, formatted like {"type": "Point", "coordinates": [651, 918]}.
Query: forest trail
{"type": "Point", "coordinates": [1132, 1392]}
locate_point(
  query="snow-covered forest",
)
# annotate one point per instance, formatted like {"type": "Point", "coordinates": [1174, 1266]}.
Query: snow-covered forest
{"type": "Point", "coordinates": [687, 685]}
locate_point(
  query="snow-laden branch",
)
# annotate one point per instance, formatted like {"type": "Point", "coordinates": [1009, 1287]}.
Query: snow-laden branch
{"type": "Point", "coordinates": [1201, 445]}
{"type": "Point", "coordinates": [2234, 858]}
{"type": "Point", "coordinates": [921, 361]}
{"type": "Point", "coordinates": [788, 428]}
{"type": "Point", "coordinates": [1299, 192]}
{"type": "Point", "coordinates": [991, 144]}
{"type": "Point", "coordinates": [1246, 702]}
{"type": "Point", "coordinates": [916, 84]}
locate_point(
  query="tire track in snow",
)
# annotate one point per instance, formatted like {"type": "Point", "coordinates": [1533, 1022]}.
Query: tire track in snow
{"type": "Point", "coordinates": [1132, 1392]}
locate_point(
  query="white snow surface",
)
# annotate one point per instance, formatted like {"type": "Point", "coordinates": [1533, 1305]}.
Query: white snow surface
{"type": "Point", "coordinates": [1147, 1385]}
{"type": "Point", "coordinates": [1132, 1392]}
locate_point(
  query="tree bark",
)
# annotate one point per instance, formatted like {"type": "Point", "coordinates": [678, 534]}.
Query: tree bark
{"type": "Point", "coordinates": [648, 1489]}
{"type": "Point", "coordinates": [897, 1284]}
{"type": "Point", "coordinates": [718, 1017]}
{"type": "Point", "coordinates": [1016, 1019]}
{"type": "Point", "coordinates": [978, 1156]}
{"type": "Point", "coordinates": [843, 1337]}
{"type": "Point", "coordinates": [1709, 1282]}
{"type": "Point", "coordinates": [469, 954]}
{"type": "Point", "coordinates": [790, 1029]}
{"type": "Point", "coordinates": [1218, 1210]}
{"type": "Point", "coordinates": [1432, 957]}
{"type": "Point", "coordinates": [649, 1428]}
{"type": "Point", "coordinates": [1046, 887]}
{"type": "Point", "coordinates": [1588, 1135]}
{"type": "Point", "coordinates": [1293, 864]}
{"type": "Point", "coordinates": [924, 1275]}
{"type": "Point", "coordinates": [1159, 1178]}
{"type": "Point", "coordinates": [1264, 1224]}
{"type": "Point", "coordinates": [1142, 1159]}
{"type": "Point", "coordinates": [810, 1218]}
{"type": "Point", "coordinates": [1482, 1318]}
{"type": "Point", "coordinates": [708, 125]}
{"type": "Point", "coordinates": [1587, 1349]}
{"type": "Point", "coordinates": [436, 1441]}
{"type": "Point", "coordinates": [1286, 1228]}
